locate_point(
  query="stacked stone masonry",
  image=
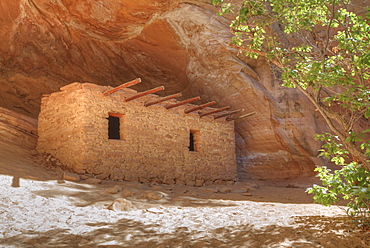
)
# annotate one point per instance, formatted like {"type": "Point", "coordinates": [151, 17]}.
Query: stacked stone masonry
{"type": "Point", "coordinates": [154, 141]}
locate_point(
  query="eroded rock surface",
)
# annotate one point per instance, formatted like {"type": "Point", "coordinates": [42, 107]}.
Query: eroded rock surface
{"type": "Point", "coordinates": [181, 45]}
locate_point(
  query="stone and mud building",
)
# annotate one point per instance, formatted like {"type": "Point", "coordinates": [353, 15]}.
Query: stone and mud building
{"type": "Point", "coordinates": [137, 136]}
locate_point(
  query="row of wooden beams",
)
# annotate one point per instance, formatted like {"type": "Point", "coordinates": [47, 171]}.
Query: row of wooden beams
{"type": "Point", "coordinates": [160, 88]}
{"type": "Point", "coordinates": [183, 102]}
{"type": "Point", "coordinates": [242, 116]}
{"type": "Point", "coordinates": [229, 113]}
{"type": "Point", "coordinates": [122, 86]}
{"type": "Point", "coordinates": [144, 93]}
{"type": "Point", "coordinates": [199, 107]}
{"type": "Point", "coordinates": [215, 111]}
{"type": "Point", "coordinates": [162, 99]}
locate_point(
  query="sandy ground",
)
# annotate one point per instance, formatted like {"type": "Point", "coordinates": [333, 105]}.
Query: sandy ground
{"type": "Point", "coordinates": [38, 210]}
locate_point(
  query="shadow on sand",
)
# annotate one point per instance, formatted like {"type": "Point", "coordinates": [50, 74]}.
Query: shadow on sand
{"type": "Point", "coordinates": [313, 231]}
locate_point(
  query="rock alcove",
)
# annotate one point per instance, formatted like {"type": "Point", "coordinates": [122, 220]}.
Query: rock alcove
{"type": "Point", "coordinates": [181, 45]}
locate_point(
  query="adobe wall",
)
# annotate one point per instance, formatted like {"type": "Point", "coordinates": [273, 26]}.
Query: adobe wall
{"type": "Point", "coordinates": [73, 127]}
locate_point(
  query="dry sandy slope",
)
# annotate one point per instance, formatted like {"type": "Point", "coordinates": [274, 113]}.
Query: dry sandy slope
{"type": "Point", "coordinates": [38, 211]}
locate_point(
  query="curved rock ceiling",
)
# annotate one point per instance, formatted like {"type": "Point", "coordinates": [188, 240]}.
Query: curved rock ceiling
{"type": "Point", "coordinates": [45, 44]}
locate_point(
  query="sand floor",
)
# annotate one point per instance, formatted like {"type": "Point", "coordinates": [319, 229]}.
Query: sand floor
{"type": "Point", "coordinates": [37, 209]}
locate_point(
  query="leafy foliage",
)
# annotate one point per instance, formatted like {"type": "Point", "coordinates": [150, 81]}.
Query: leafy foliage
{"type": "Point", "coordinates": [351, 183]}
{"type": "Point", "coordinates": [323, 49]}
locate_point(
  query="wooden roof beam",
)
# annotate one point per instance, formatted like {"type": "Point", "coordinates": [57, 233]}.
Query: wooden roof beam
{"type": "Point", "coordinates": [122, 86]}
{"type": "Point", "coordinates": [215, 111]}
{"type": "Point", "coordinates": [144, 93]}
{"type": "Point", "coordinates": [183, 102]}
{"type": "Point", "coordinates": [229, 113]}
{"type": "Point", "coordinates": [162, 99]}
{"type": "Point", "coordinates": [199, 107]}
{"type": "Point", "coordinates": [242, 116]}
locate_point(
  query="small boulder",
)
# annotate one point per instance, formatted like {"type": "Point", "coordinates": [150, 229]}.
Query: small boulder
{"type": "Point", "coordinates": [93, 180]}
{"type": "Point", "coordinates": [154, 196]}
{"type": "Point", "coordinates": [251, 185]}
{"type": "Point", "coordinates": [199, 183]}
{"type": "Point", "coordinates": [168, 181]}
{"type": "Point", "coordinates": [127, 193]}
{"type": "Point", "coordinates": [114, 190]}
{"type": "Point", "coordinates": [48, 157]}
{"type": "Point", "coordinates": [103, 176]}
{"type": "Point", "coordinates": [180, 182]}
{"type": "Point", "coordinates": [121, 204]}
{"type": "Point", "coordinates": [85, 176]}
{"type": "Point", "coordinates": [225, 190]}
{"type": "Point", "coordinates": [190, 183]}
{"type": "Point", "coordinates": [240, 191]}
{"type": "Point", "coordinates": [247, 194]}
{"type": "Point", "coordinates": [71, 176]}
{"type": "Point", "coordinates": [157, 187]}
{"type": "Point", "coordinates": [82, 171]}
{"type": "Point", "coordinates": [219, 182]}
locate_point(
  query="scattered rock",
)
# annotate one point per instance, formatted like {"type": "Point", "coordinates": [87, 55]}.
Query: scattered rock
{"type": "Point", "coordinates": [251, 185]}
{"type": "Point", "coordinates": [144, 180]}
{"type": "Point", "coordinates": [71, 176]}
{"type": "Point", "coordinates": [48, 157]}
{"type": "Point", "coordinates": [225, 190]}
{"type": "Point", "coordinates": [103, 176]}
{"type": "Point", "coordinates": [190, 183]}
{"type": "Point", "coordinates": [114, 190]}
{"type": "Point", "coordinates": [207, 183]}
{"type": "Point", "coordinates": [240, 191]}
{"type": "Point", "coordinates": [60, 181]}
{"type": "Point", "coordinates": [247, 194]}
{"type": "Point", "coordinates": [154, 196]}
{"type": "Point", "coordinates": [127, 193]}
{"type": "Point", "coordinates": [93, 180]}
{"type": "Point", "coordinates": [86, 176]}
{"type": "Point", "coordinates": [121, 204]}
{"type": "Point", "coordinates": [169, 181]}
{"type": "Point", "coordinates": [199, 183]}
{"type": "Point", "coordinates": [219, 182]}
{"type": "Point", "coordinates": [156, 187]}
{"type": "Point", "coordinates": [179, 182]}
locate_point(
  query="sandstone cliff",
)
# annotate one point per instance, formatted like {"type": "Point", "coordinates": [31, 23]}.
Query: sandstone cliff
{"type": "Point", "coordinates": [179, 44]}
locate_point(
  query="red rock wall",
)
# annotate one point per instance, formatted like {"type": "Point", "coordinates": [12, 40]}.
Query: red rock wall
{"type": "Point", "coordinates": [181, 45]}
{"type": "Point", "coordinates": [154, 141]}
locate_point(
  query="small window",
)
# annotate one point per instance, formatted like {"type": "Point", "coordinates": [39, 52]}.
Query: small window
{"type": "Point", "coordinates": [114, 126]}
{"type": "Point", "coordinates": [194, 141]}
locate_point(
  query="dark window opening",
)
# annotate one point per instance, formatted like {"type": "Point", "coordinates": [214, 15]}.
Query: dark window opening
{"type": "Point", "coordinates": [192, 144]}
{"type": "Point", "coordinates": [113, 127]}
{"type": "Point", "coordinates": [193, 140]}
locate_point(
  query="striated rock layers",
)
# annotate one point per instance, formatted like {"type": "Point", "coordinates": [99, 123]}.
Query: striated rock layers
{"type": "Point", "coordinates": [182, 45]}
